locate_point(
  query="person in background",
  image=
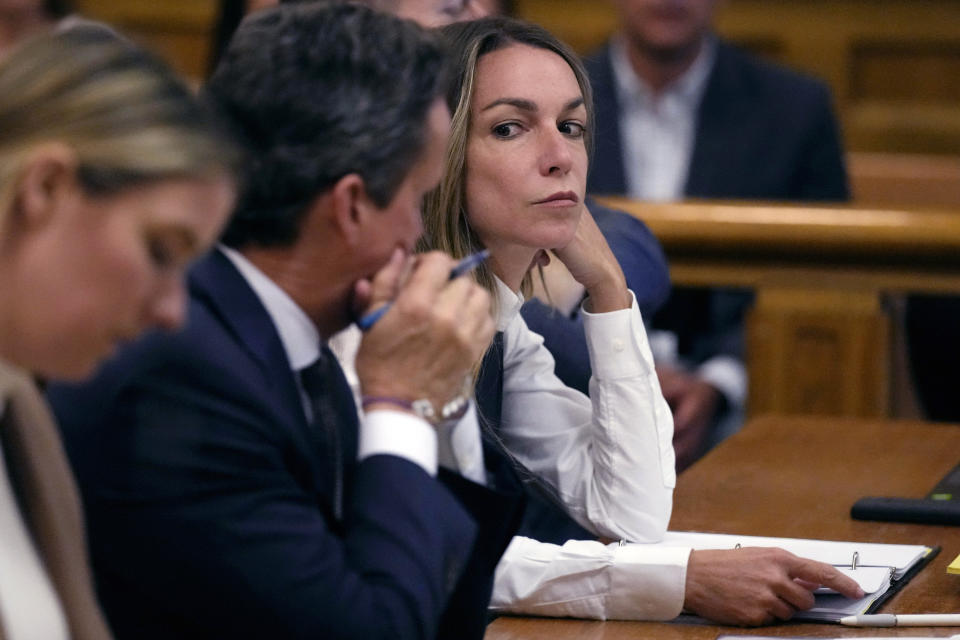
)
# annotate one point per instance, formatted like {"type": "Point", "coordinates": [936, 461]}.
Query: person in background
{"type": "Point", "coordinates": [429, 13]}
{"type": "Point", "coordinates": [112, 178]}
{"type": "Point", "coordinates": [514, 184]}
{"type": "Point", "coordinates": [229, 15]}
{"type": "Point", "coordinates": [230, 488]}
{"type": "Point", "coordinates": [20, 19]}
{"type": "Point", "coordinates": [497, 7]}
{"type": "Point", "coordinates": [683, 114]}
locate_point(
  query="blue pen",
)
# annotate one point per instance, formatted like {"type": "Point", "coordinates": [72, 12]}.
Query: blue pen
{"type": "Point", "coordinates": [466, 265]}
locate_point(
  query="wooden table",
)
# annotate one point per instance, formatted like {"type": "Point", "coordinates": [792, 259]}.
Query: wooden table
{"type": "Point", "coordinates": [797, 477]}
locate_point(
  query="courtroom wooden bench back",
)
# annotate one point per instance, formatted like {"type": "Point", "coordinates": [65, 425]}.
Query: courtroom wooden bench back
{"type": "Point", "coordinates": [823, 336]}
{"type": "Point", "coordinates": [893, 65]}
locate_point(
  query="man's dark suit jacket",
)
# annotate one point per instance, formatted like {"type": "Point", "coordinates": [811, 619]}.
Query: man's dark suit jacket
{"type": "Point", "coordinates": [763, 132]}
{"type": "Point", "coordinates": [210, 507]}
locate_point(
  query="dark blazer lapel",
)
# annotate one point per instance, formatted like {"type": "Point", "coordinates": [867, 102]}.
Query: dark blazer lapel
{"type": "Point", "coordinates": [606, 166]}
{"type": "Point", "coordinates": [216, 281]}
{"type": "Point", "coordinates": [717, 129]}
{"type": "Point", "coordinates": [41, 479]}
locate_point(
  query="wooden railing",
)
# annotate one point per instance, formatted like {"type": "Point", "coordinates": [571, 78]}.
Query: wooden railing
{"type": "Point", "coordinates": [823, 335]}
{"type": "Point", "coordinates": [899, 179]}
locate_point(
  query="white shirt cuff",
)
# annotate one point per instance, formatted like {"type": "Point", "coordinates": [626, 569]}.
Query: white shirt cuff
{"type": "Point", "coordinates": [729, 376]}
{"type": "Point", "coordinates": [649, 583]}
{"type": "Point", "coordinates": [396, 433]}
{"type": "Point", "coordinates": [587, 579]}
{"type": "Point", "coordinates": [617, 343]}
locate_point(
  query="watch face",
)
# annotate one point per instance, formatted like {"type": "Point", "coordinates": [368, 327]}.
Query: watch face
{"type": "Point", "coordinates": [424, 409]}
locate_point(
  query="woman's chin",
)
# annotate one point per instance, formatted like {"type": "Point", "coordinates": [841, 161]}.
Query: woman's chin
{"type": "Point", "coordinates": [559, 238]}
{"type": "Point", "coordinates": [73, 369]}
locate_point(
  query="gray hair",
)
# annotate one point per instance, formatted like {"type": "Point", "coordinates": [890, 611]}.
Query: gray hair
{"type": "Point", "coordinates": [320, 91]}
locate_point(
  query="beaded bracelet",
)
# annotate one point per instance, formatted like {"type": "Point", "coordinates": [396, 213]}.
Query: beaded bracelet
{"type": "Point", "coordinates": [399, 402]}
{"type": "Point", "coordinates": [452, 410]}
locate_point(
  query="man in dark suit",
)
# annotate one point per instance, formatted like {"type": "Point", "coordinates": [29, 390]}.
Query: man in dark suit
{"type": "Point", "coordinates": [682, 114]}
{"type": "Point", "coordinates": [231, 491]}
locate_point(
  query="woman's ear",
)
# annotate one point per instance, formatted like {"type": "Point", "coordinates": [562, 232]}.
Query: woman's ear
{"type": "Point", "coordinates": [352, 208]}
{"type": "Point", "coordinates": [48, 178]}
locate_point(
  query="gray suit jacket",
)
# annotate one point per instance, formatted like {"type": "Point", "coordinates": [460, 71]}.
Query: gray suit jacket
{"type": "Point", "coordinates": [48, 499]}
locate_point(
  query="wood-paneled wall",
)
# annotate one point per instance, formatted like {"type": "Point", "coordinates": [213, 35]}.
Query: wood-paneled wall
{"type": "Point", "coordinates": [893, 65]}
{"type": "Point", "coordinates": [179, 30]}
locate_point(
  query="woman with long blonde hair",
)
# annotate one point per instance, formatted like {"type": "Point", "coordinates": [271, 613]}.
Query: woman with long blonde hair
{"type": "Point", "coordinates": [600, 466]}
{"type": "Point", "coordinates": [515, 184]}
{"type": "Point", "coordinates": [113, 176]}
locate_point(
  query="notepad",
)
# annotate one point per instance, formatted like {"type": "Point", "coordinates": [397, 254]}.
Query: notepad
{"type": "Point", "coordinates": [954, 567]}
{"type": "Point", "coordinates": [880, 569]}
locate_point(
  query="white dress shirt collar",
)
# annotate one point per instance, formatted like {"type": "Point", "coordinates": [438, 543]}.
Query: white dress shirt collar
{"type": "Point", "coordinates": [381, 432]}
{"type": "Point", "coordinates": [508, 304]}
{"type": "Point", "coordinates": [688, 88]}
{"type": "Point", "coordinates": [658, 130]}
{"type": "Point", "coordinates": [300, 338]}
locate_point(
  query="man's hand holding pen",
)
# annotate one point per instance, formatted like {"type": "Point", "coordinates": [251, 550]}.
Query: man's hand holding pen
{"type": "Point", "coordinates": [435, 326]}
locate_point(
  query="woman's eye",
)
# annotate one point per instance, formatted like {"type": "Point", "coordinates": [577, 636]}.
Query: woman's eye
{"type": "Point", "coordinates": [572, 129]}
{"type": "Point", "coordinates": [506, 130]}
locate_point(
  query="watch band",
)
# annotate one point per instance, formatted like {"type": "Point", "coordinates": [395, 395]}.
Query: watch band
{"type": "Point", "coordinates": [452, 410]}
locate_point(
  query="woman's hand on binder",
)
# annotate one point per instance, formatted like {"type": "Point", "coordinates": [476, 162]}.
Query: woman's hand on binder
{"type": "Point", "coordinates": [754, 585]}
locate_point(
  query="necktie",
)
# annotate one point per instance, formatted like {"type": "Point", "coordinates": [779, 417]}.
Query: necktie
{"type": "Point", "coordinates": [334, 419]}
{"type": "Point", "coordinates": [545, 518]}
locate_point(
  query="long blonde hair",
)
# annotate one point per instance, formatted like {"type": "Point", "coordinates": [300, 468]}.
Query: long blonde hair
{"type": "Point", "coordinates": [446, 219]}
{"type": "Point", "coordinates": [125, 114]}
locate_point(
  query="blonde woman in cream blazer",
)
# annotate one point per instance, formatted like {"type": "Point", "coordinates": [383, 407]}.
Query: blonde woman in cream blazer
{"type": "Point", "coordinates": [113, 176]}
{"type": "Point", "coordinates": [41, 481]}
